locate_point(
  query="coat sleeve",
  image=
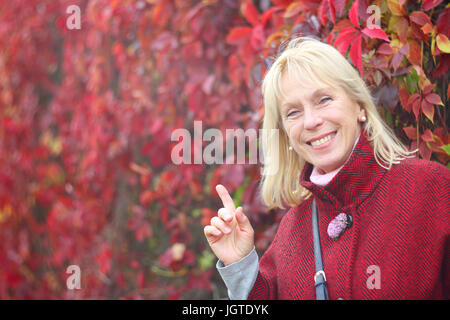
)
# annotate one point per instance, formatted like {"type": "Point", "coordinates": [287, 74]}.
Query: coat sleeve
{"type": "Point", "coordinates": [446, 269]}
{"type": "Point", "coordinates": [265, 286]}
{"type": "Point", "coordinates": [438, 201]}
{"type": "Point", "coordinates": [444, 176]}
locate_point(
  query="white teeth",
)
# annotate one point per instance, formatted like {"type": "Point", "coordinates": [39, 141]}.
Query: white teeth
{"type": "Point", "coordinates": [321, 141]}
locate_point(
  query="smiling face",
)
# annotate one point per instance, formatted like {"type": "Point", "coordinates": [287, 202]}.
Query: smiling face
{"type": "Point", "coordinates": [322, 123]}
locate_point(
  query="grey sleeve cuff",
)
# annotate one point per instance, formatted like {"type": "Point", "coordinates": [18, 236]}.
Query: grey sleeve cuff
{"type": "Point", "coordinates": [239, 277]}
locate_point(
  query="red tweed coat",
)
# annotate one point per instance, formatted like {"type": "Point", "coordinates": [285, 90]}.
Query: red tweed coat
{"type": "Point", "coordinates": [401, 225]}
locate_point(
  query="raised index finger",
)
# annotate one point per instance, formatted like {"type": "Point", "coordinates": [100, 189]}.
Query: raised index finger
{"type": "Point", "coordinates": [225, 197]}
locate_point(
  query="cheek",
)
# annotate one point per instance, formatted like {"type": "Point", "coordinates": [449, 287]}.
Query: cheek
{"type": "Point", "coordinates": [294, 130]}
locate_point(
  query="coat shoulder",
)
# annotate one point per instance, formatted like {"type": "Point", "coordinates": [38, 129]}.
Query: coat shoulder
{"type": "Point", "coordinates": [422, 170]}
{"type": "Point", "coordinates": [425, 182]}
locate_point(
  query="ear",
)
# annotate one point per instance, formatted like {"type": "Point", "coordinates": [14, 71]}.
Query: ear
{"type": "Point", "coordinates": [362, 110]}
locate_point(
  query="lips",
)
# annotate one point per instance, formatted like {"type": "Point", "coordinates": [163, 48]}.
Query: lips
{"type": "Point", "coordinates": [320, 137]}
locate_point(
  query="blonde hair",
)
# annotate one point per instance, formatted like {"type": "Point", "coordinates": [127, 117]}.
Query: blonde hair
{"type": "Point", "coordinates": [320, 63]}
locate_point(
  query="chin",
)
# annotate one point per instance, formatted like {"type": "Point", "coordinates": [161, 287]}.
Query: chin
{"type": "Point", "coordinates": [328, 167]}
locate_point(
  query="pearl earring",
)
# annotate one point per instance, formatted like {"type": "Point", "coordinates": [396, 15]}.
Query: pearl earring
{"type": "Point", "coordinates": [363, 118]}
{"type": "Point", "coordinates": [290, 148]}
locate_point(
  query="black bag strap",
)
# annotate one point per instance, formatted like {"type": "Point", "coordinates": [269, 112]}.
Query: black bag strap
{"type": "Point", "coordinates": [319, 277]}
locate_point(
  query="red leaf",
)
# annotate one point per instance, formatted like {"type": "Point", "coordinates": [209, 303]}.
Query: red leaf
{"type": "Point", "coordinates": [428, 110]}
{"type": "Point", "coordinates": [443, 66]}
{"type": "Point", "coordinates": [416, 108]}
{"type": "Point", "coordinates": [344, 39]}
{"type": "Point", "coordinates": [385, 49]}
{"type": "Point", "coordinates": [239, 34]}
{"type": "Point", "coordinates": [415, 54]}
{"type": "Point", "coordinates": [424, 151]}
{"type": "Point", "coordinates": [411, 132]}
{"type": "Point", "coordinates": [428, 136]}
{"type": "Point", "coordinates": [404, 96]}
{"type": "Point", "coordinates": [355, 54]}
{"type": "Point", "coordinates": [376, 32]}
{"type": "Point", "coordinates": [402, 29]}
{"type": "Point", "coordinates": [330, 38]}
{"type": "Point", "coordinates": [257, 40]}
{"type": "Point", "coordinates": [164, 214]}
{"type": "Point", "coordinates": [282, 3]}
{"type": "Point", "coordinates": [353, 14]}
{"type": "Point", "coordinates": [326, 9]}
{"type": "Point", "coordinates": [340, 6]}
{"type": "Point", "coordinates": [267, 15]}
{"type": "Point", "coordinates": [208, 214]}
{"type": "Point", "coordinates": [141, 279]}
{"type": "Point", "coordinates": [157, 125]}
{"type": "Point", "coordinates": [404, 50]}
{"type": "Point", "coordinates": [145, 180]}
{"type": "Point", "coordinates": [250, 13]}
{"type": "Point", "coordinates": [419, 18]}
{"type": "Point", "coordinates": [293, 10]}
{"type": "Point", "coordinates": [143, 231]}
{"type": "Point", "coordinates": [427, 90]}
{"type": "Point", "coordinates": [396, 60]}
{"type": "Point", "coordinates": [332, 10]}
{"type": "Point", "coordinates": [146, 198]}
{"type": "Point", "coordinates": [413, 98]}
{"type": "Point", "coordinates": [104, 259]}
{"type": "Point", "coordinates": [430, 4]}
{"type": "Point", "coordinates": [433, 98]}
{"type": "Point", "coordinates": [443, 22]}
{"type": "Point", "coordinates": [160, 13]}
{"type": "Point", "coordinates": [322, 13]}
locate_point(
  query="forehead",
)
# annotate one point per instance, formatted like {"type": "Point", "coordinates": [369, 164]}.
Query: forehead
{"type": "Point", "coordinates": [297, 89]}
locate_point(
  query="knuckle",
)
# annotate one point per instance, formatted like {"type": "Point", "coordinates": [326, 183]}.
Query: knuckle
{"type": "Point", "coordinates": [224, 213]}
{"type": "Point", "coordinates": [215, 221]}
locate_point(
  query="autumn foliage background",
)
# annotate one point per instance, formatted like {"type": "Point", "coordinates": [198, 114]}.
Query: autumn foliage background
{"type": "Point", "coordinates": [86, 118]}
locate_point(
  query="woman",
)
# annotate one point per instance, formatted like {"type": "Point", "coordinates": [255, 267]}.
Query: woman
{"type": "Point", "coordinates": [383, 216]}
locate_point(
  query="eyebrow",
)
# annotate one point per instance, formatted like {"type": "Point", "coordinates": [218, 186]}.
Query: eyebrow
{"type": "Point", "coordinates": [315, 94]}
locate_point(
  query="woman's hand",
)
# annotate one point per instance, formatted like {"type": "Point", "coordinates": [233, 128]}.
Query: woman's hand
{"type": "Point", "coordinates": [230, 233]}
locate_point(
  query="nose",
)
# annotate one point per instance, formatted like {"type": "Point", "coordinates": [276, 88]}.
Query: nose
{"type": "Point", "coordinates": [311, 118]}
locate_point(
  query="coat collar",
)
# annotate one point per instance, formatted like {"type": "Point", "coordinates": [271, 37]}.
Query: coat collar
{"type": "Point", "coordinates": [356, 180]}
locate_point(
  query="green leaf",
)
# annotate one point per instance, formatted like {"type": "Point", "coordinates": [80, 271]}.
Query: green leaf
{"type": "Point", "coordinates": [446, 148]}
{"type": "Point", "coordinates": [412, 80]}
{"type": "Point", "coordinates": [196, 213]}
{"type": "Point", "coordinates": [443, 43]}
{"type": "Point", "coordinates": [388, 118]}
{"type": "Point", "coordinates": [206, 260]}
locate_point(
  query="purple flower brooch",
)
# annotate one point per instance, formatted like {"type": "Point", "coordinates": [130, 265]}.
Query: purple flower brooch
{"type": "Point", "coordinates": [339, 224]}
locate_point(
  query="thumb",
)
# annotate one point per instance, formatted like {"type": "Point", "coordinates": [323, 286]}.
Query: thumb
{"type": "Point", "coordinates": [242, 220]}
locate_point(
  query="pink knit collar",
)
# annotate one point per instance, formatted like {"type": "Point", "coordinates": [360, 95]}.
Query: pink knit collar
{"type": "Point", "coordinates": [324, 179]}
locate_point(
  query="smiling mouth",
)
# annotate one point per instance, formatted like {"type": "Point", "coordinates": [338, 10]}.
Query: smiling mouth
{"type": "Point", "coordinates": [319, 142]}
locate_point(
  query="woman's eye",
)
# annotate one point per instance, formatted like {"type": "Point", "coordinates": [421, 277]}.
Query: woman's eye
{"type": "Point", "coordinates": [323, 100]}
{"type": "Point", "coordinates": [292, 113]}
